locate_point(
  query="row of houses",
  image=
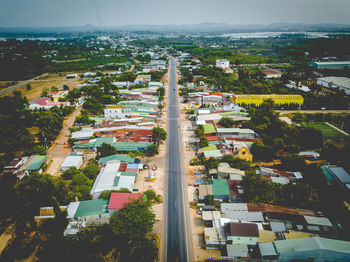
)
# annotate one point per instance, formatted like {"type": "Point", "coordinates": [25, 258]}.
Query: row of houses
{"type": "Point", "coordinates": [259, 231]}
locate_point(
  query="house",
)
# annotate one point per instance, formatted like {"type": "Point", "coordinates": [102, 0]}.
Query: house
{"type": "Point", "coordinates": [92, 212]}
{"type": "Point", "coordinates": [315, 249]}
{"type": "Point", "coordinates": [71, 76]}
{"type": "Point", "coordinates": [221, 190]}
{"type": "Point", "coordinates": [142, 79]}
{"type": "Point", "coordinates": [56, 95]}
{"type": "Point", "coordinates": [236, 191]}
{"type": "Point", "coordinates": [214, 98]}
{"type": "Point", "coordinates": [270, 73]}
{"type": "Point", "coordinates": [73, 160]}
{"type": "Point", "coordinates": [34, 163]}
{"type": "Point", "coordinates": [235, 133]}
{"type": "Point", "coordinates": [118, 200]}
{"type": "Point", "coordinates": [331, 65]}
{"type": "Point", "coordinates": [214, 237]}
{"type": "Point", "coordinates": [105, 179]}
{"type": "Point", "coordinates": [45, 103]}
{"type": "Point", "coordinates": [242, 151]}
{"type": "Point", "coordinates": [122, 84]}
{"type": "Point", "coordinates": [335, 82]}
{"type": "Point", "coordinates": [228, 105]}
{"type": "Point", "coordinates": [121, 158]}
{"type": "Point", "coordinates": [225, 172]}
{"type": "Point", "coordinates": [242, 233]}
{"type": "Point", "coordinates": [236, 250]}
{"type": "Point", "coordinates": [89, 74]}
{"type": "Point", "coordinates": [155, 84]}
{"type": "Point", "coordinates": [114, 111]}
{"type": "Point", "coordinates": [222, 63]}
{"type": "Point", "coordinates": [204, 190]}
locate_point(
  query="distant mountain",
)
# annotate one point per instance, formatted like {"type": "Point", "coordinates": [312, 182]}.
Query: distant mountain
{"type": "Point", "coordinates": [199, 28]}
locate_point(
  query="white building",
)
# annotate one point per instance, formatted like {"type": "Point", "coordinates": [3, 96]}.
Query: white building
{"type": "Point", "coordinates": [343, 83]}
{"type": "Point", "coordinates": [105, 179]}
{"type": "Point", "coordinates": [222, 63]}
{"type": "Point", "coordinates": [71, 76]}
{"type": "Point", "coordinates": [72, 161]}
{"type": "Point", "coordinates": [113, 111]}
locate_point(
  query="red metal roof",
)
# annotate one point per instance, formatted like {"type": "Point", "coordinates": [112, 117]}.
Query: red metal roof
{"type": "Point", "coordinates": [120, 200]}
{"type": "Point", "coordinates": [212, 138]}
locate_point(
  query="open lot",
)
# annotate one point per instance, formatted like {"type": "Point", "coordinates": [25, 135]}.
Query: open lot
{"type": "Point", "coordinates": [45, 82]}
{"type": "Point", "coordinates": [327, 131]}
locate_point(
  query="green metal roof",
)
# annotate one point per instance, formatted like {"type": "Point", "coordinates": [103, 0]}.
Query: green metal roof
{"type": "Point", "coordinates": [97, 143]}
{"type": "Point", "coordinates": [234, 113]}
{"type": "Point", "coordinates": [116, 181]}
{"type": "Point", "coordinates": [212, 153]}
{"type": "Point", "coordinates": [130, 146]}
{"type": "Point", "coordinates": [91, 208]}
{"type": "Point", "coordinates": [311, 243]}
{"type": "Point", "coordinates": [210, 147]}
{"type": "Point", "coordinates": [128, 173]}
{"type": "Point", "coordinates": [209, 128]}
{"type": "Point", "coordinates": [236, 130]}
{"type": "Point", "coordinates": [121, 158]}
{"type": "Point", "coordinates": [101, 140]}
{"type": "Point", "coordinates": [36, 163]}
{"type": "Point", "coordinates": [220, 187]}
{"type": "Point", "coordinates": [327, 174]}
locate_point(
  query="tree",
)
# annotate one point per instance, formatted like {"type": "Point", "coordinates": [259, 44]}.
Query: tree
{"type": "Point", "coordinates": [203, 142]}
{"type": "Point", "coordinates": [211, 163]}
{"type": "Point", "coordinates": [298, 118]}
{"type": "Point", "coordinates": [152, 150]}
{"type": "Point", "coordinates": [107, 193]}
{"type": "Point", "coordinates": [133, 222]}
{"type": "Point", "coordinates": [261, 152]}
{"type": "Point", "coordinates": [199, 131]}
{"type": "Point", "coordinates": [70, 173]}
{"type": "Point", "coordinates": [152, 197]}
{"type": "Point", "coordinates": [106, 150]}
{"type": "Point", "coordinates": [91, 170]}
{"type": "Point", "coordinates": [226, 122]}
{"type": "Point", "coordinates": [45, 92]}
{"type": "Point", "coordinates": [65, 87]}
{"type": "Point", "coordinates": [236, 162]}
{"type": "Point", "coordinates": [158, 134]}
{"type": "Point", "coordinates": [80, 180]}
{"type": "Point", "coordinates": [293, 162]}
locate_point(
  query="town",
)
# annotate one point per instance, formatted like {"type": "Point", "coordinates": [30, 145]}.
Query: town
{"type": "Point", "coordinates": [120, 146]}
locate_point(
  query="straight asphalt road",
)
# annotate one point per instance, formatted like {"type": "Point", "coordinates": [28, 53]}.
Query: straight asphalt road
{"type": "Point", "coordinates": [176, 246]}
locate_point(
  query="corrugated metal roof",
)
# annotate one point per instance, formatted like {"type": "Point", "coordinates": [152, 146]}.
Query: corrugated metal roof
{"type": "Point", "coordinates": [92, 208]}
{"type": "Point", "coordinates": [119, 157]}
{"type": "Point", "coordinates": [36, 163]}
{"type": "Point", "coordinates": [220, 187]}
{"type": "Point", "coordinates": [209, 128]}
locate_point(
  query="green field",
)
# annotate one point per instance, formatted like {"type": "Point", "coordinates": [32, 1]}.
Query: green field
{"type": "Point", "coordinates": [327, 131]}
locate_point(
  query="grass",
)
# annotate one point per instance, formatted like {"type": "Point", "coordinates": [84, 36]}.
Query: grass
{"type": "Point", "coordinates": [327, 131]}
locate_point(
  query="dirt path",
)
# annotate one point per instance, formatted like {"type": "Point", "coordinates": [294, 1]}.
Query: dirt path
{"type": "Point", "coordinates": [336, 128]}
{"type": "Point", "coordinates": [313, 111]}
{"type": "Point", "coordinates": [60, 148]}
{"type": "Point", "coordinates": [6, 236]}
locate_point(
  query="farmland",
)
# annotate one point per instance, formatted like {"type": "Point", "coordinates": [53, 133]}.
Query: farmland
{"type": "Point", "coordinates": [328, 132]}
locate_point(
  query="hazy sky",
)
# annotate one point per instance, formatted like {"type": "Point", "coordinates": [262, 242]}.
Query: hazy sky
{"type": "Point", "coordinates": [126, 12]}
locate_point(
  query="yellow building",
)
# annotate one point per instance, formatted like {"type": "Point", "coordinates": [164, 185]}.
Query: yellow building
{"type": "Point", "coordinates": [242, 151]}
{"type": "Point", "coordinates": [259, 99]}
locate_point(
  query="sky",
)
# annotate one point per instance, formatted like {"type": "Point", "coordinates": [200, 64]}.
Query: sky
{"type": "Point", "coordinates": [45, 13]}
